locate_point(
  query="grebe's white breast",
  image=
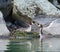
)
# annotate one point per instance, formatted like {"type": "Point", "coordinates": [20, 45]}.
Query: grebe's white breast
{"type": "Point", "coordinates": [28, 29]}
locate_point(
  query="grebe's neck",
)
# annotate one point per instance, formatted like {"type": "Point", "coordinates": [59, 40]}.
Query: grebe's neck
{"type": "Point", "coordinates": [40, 29]}
{"type": "Point", "coordinates": [40, 33]}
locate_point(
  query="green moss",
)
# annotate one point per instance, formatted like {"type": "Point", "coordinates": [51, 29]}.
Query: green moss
{"type": "Point", "coordinates": [24, 34]}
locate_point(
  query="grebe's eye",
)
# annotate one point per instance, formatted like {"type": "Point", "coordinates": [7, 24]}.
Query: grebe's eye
{"type": "Point", "coordinates": [33, 21]}
{"type": "Point", "coordinates": [38, 25]}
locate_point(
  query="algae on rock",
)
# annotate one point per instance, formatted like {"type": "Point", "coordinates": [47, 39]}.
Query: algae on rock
{"type": "Point", "coordinates": [24, 34]}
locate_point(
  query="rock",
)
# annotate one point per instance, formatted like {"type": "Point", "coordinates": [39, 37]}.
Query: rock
{"type": "Point", "coordinates": [11, 12]}
{"type": "Point", "coordinates": [31, 7]}
{"type": "Point", "coordinates": [26, 35]}
{"type": "Point", "coordinates": [6, 7]}
{"type": "Point", "coordinates": [21, 24]}
{"type": "Point", "coordinates": [3, 28]}
{"type": "Point", "coordinates": [17, 15]}
{"type": "Point", "coordinates": [53, 28]}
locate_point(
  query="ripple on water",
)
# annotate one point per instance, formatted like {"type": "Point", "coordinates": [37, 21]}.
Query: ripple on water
{"type": "Point", "coordinates": [34, 45]}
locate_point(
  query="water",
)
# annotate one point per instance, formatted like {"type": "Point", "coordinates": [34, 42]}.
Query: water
{"type": "Point", "coordinates": [51, 45]}
{"type": "Point", "coordinates": [33, 45]}
{"type": "Point", "coordinates": [19, 45]}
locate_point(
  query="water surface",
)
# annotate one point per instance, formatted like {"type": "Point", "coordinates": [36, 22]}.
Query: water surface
{"type": "Point", "coordinates": [34, 45]}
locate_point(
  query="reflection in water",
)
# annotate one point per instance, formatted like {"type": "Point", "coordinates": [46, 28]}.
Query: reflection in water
{"type": "Point", "coordinates": [35, 45]}
{"type": "Point", "coordinates": [20, 45]}
{"type": "Point", "coordinates": [3, 45]}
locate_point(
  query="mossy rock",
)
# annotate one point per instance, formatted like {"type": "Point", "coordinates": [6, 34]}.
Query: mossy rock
{"type": "Point", "coordinates": [18, 33]}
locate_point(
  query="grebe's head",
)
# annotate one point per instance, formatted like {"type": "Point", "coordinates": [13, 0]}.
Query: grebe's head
{"type": "Point", "coordinates": [40, 25]}
{"type": "Point", "coordinates": [32, 22]}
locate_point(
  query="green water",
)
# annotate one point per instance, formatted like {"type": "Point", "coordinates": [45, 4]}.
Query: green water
{"type": "Point", "coordinates": [20, 45]}
{"type": "Point", "coordinates": [33, 45]}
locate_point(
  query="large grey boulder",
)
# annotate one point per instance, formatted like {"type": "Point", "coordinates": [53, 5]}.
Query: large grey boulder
{"type": "Point", "coordinates": [28, 7]}
{"type": "Point", "coordinates": [6, 7]}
